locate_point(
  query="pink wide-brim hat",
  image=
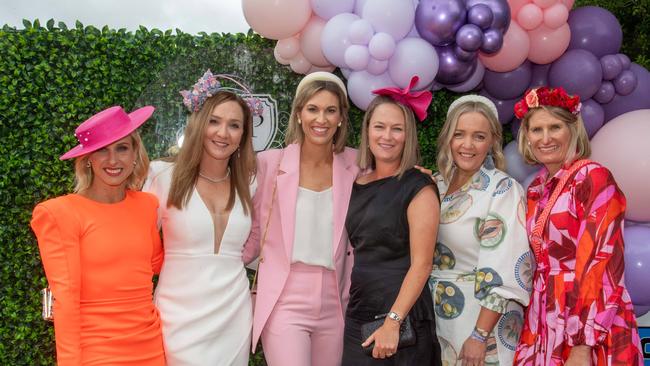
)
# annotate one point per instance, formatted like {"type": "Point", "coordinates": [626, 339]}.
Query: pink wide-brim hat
{"type": "Point", "coordinates": [106, 127]}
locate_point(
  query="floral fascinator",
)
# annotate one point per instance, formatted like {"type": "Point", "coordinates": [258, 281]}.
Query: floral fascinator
{"type": "Point", "coordinates": [554, 97]}
{"type": "Point", "coordinates": [209, 84]}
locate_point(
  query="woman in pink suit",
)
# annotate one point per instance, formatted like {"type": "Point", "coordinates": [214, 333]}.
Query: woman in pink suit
{"type": "Point", "coordinates": [301, 204]}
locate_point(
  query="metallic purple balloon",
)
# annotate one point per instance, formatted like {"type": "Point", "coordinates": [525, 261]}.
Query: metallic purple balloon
{"type": "Point", "coordinates": [539, 75]}
{"type": "Point", "coordinates": [593, 116]}
{"type": "Point", "coordinates": [469, 37]}
{"type": "Point", "coordinates": [492, 41]}
{"type": "Point", "coordinates": [480, 15]}
{"type": "Point", "coordinates": [596, 30]}
{"type": "Point", "coordinates": [463, 55]}
{"type": "Point", "coordinates": [625, 82]}
{"type": "Point", "coordinates": [508, 85]}
{"type": "Point", "coordinates": [438, 20]}
{"type": "Point", "coordinates": [451, 70]}
{"type": "Point", "coordinates": [612, 66]}
{"type": "Point", "coordinates": [625, 61]}
{"type": "Point", "coordinates": [638, 99]}
{"type": "Point", "coordinates": [500, 11]}
{"type": "Point", "coordinates": [606, 92]}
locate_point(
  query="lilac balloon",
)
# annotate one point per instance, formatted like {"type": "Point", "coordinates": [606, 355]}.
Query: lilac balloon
{"type": "Point", "coordinates": [539, 75]}
{"type": "Point", "coordinates": [346, 72]}
{"type": "Point", "coordinates": [515, 165]}
{"type": "Point", "coordinates": [578, 71]}
{"type": "Point", "coordinates": [508, 85]}
{"type": "Point", "coordinates": [470, 84]}
{"type": "Point", "coordinates": [500, 11]}
{"type": "Point", "coordinates": [515, 125]}
{"type": "Point", "coordinates": [606, 92]}
{"type": "Point", "coordinates": [334, 39]}
{"type": "Point", "coordinates": [438, 20]}
{"type": "Point", "coordinates": [625, 82]}
{"type": "Point", "coordinates": [612, 66]}
{"type": "Point", "coordinates": [381, 46]}
{"type": "Point", "coordinates": [394, 17]}
{"type": "Point", "coordinates": [357, 57]}
{"type": "Point", "coordinates": [377, 67]}
{"type": "Point", "coordinates": [492, 41]}
{"type": "Point", "coordinates": [413, 56]}
{"type": "Point", "coordinates": [506, 108]}
{"type": "Point", "coordinates": [596, 30]}
{"type": "Point", "coordinates": [469, 37]}
{"type": "Point", "coordinates": [637, 263]}
{"type": "Point", "coordinates": [641, 310]}
{"type": "Point", "coordinates": [529, 179]}
{"type": "Point", "coordinates": [625, 61]}
{"type": "Point", "coordinates": [360, 32]}
{"type": "Point", "coordinates": [451, 70]}
{"type": "Point", "coordinates": [480, 15]}
{"type": "Point", "coordinates": [358, 7]}
{"type": "Point", "coordinates": [463, 55]}
{"type": "Point", "coordinates": [327, 9]}
{"type": "Point", "coordinates": [593, 116]}
{"type": "Point", "coordinates": [638, 99]}
{"type": "Point", "coordinates": [361, 84]}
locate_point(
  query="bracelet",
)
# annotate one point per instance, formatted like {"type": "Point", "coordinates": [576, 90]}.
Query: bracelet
{"type": "Point", "coordinates": [478, 337]}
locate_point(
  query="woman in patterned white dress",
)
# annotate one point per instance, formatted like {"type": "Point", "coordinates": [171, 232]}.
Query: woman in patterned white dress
{"type": "Point", "coordinates": [482, 268]}
{"type": "Point", "coordinates": [205, 214]}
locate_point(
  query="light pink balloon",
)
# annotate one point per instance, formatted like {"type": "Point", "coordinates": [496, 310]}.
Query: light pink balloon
{"type": "Point", "coordinates": [334, 39]}
{"type": "Point", "coordinates": [318, 68]}
{"type": "Point", "coordinates": [530, 16]}
{"type": "Point", "coordinates": [556, 16]}
{"type": "Point", "coordinates": [310, 42]}
{"type": "Point", "coordinates": [357, 57]}
{"type": "Point", "coordinates": [287, 48]}
{"type": "Point", "coordinates": [544, 3]}
{"type": "Point", "coordinates": [516, 45]}
{"type": "Point", "coordinates": [276, 19]}
{"type": "Point", "coordinates": [568, 3]}
{"type": "Point", "coordinates": [622, 146]}
{"type": "Point", "coordinates": [299, 64]}
{"type": "Point", "coordinates": [547, 44]}
{"type": "Point", "coordinates": [279, 58]}
{"type": "Point", "coordinates": [515, 5]}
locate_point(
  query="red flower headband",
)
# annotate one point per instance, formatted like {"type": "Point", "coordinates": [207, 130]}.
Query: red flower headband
{"type": "Point", "coordinates": [555, 97]}
{"type": "Point", "coordinates": [418, 101]}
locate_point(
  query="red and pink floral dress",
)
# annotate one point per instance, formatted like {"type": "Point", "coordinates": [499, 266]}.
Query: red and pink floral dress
{"type": "Point", "coordinates": [579, 295]}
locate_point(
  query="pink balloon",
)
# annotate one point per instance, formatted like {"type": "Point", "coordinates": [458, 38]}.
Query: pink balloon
{"type": "Point", "coordinates": [361, 84]}
{"type": "Point", "coordinates": [547, 45]}
{"type": "Point", "coordinates": [299, 64]}
{"type": "Point", "coordinates": [310, 42]}
{"type": "Point", "coordinates": [530, 16]}
{"type": "Point", "coordinates": [544, 3]}
{"type": "Point", "coordinates": [515, 5]}
{"type": "Point", "coordinates": [334, 38]}
{"type": "Point", "coordinates": [276, 19]}
{"type": "Point", "coordinates": [516, 45]}
{"type": "Point", "coordinates": [622, 146]}
{"type": "Point", "coordinates": [279, 58]}
{"type": "Point", "coordinates": [288, 48]}
{"type": "Point", "coordinates": [568, 3]}
{"type": "Point", "coordinates": [556, 16]}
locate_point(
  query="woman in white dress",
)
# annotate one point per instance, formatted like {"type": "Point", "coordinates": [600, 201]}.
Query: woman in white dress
{"type": "Point", "coordinates": [205, 213]}
{"type": "Point", "coordinates": [482, 267]}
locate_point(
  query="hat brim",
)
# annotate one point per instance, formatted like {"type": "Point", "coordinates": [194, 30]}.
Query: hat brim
{"type": "Point", "coordinates": [136, 119]}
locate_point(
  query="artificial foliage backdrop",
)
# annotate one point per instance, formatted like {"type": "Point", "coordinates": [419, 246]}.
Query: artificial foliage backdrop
{"type": "Point", "coordinates": [53, 77]}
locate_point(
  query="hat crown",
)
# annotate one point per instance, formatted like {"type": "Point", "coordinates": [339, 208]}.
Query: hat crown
{"type": "Point", "coordinates": [102, 125]}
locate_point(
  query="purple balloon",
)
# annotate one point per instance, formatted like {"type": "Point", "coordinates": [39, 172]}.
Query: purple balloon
{"type": "Point", "coordinates": [470, 84]}
{"type": "Point", "coordinates": [506, 108]}
{"type": "Point", "coordinates": [596, 30]}
{"type": "Point", "coordinates": [611, 65]}
{"type": "Point", "coordinates": [539, 75]}
{"type": "Point", "coordinates": [641, 310]}
{"type": "Point", "coordinates": [451, 70]}
{"type": "Point", "coordinates": [508, 85]}
{"type": "Point", "coordinates": [625, 82]}
{"type": "Point", "coordinates": [605, 93]}
{"type": "Point", "coordinates": [480, 15]}
{"type": "Point", "coordinates": [438, 20]}
{"type": "Point", "coordinates": [625, 61]}
{"type": "Point", "coordinates": [515, 125]}
{"type": "Point", "coordinates": [492, 41]}
{"type": "Point", "coordinates": [515, 165]}
{"type": "Point", "coordinates": [469, 37]}
{"type": "Point", "coordinates": [578, 71]}
{"type": "Point", "coordinates": [463, 55]}
{"type": "Point", "coordinates": [638, 99]}
{"type": "Point", "coordinates": [637, 263]}
{"type": "Point", "coordinates": [500, 11]}
{"type": "Point", "coordinates": [593, 116]}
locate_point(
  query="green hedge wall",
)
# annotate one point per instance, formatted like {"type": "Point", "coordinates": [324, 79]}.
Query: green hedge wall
{"type": "Point", "coordinates": [52, 77]}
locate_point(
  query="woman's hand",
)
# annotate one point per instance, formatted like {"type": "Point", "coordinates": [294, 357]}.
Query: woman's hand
{"type": "Point", "coordinates": [580, 355]}
{"type": "Point", "coordinates": [386, 339]}
{"type": "Point", "coordinates": [423, 170]}
{"type": "Point", "coordinates": [472, 353]}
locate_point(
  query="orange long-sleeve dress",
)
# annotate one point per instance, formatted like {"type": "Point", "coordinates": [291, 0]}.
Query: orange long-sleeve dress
{"type": "Point", "coordinates": [99, 260]}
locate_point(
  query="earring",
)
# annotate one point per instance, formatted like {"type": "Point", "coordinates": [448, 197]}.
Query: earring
{"type": "Point", "coordinates": [299, 121]}
{"type": "Point", "coordinates": [489, 162]}
{"type": "Point", "coordinates": [135, 162]}
{"type": "Point", "coordinates": [88, 164]}
{"type": "Point", "coordinates": [340, 123]}
{"type": "Point", "coordinates": [238, 155]}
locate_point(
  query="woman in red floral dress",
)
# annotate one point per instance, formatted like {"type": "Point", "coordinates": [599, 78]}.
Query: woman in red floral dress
{"type": "Point", "coordinates": [580, 311]}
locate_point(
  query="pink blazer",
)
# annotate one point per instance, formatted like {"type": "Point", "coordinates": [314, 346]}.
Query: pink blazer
{"type": "Point", "coordinates": [278, 248]}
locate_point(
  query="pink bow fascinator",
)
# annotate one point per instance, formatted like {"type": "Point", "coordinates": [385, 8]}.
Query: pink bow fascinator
{"type": "Point", "coordinates": [418, 101]}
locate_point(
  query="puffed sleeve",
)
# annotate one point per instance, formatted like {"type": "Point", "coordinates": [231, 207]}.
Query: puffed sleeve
{"type": "Point", "coordinates": [505, 264]}
{"type": "Point", "coordinates": [596, 298]}
{"type": "Point", "coordinates": [58, 242]}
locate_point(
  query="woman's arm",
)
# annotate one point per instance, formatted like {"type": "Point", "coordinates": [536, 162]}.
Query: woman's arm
{"type": "Point", "coordinates": [423, 215]}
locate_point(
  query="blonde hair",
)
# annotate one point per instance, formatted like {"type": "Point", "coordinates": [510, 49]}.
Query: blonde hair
{"type": "Point", "coordinates": [445, 160]}
{"type": "Point", "coordinates": [411, 152]}
{"type": "Point", "coordinates": [579, 147]}
{"type": "Point", "coordinates": [84, 174]}
{"type": "Point", "coordinates": [187, 162]}
{"type": "Point", "coordinates": [295, 133]}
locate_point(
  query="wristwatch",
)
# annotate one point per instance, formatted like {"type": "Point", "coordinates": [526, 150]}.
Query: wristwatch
{"type": "Point", "coordinates": [482, 332]}
{"type": "Point", "coordinates": [393, 315]}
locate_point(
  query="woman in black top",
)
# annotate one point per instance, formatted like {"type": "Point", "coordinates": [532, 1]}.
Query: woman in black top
{"type": "Point", "coordinates": [392, 223]}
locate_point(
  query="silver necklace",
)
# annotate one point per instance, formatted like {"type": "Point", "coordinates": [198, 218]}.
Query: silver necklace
{"type": "Point", "coordinates": [218, 180]}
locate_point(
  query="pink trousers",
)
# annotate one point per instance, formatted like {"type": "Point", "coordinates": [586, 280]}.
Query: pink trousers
{"type": "Point", "coordinates": [306, 325]}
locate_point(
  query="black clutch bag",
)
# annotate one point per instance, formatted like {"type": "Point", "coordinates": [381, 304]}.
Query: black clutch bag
{"type": "Point", "coordinates": [406, 332]}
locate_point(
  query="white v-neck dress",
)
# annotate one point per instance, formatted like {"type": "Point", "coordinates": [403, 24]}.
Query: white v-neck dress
{"type": "Point", "coordinates": [202, 296]}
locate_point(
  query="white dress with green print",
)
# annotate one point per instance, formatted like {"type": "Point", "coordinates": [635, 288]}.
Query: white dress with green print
{"type": "Point", "coordinates": [482, 258]}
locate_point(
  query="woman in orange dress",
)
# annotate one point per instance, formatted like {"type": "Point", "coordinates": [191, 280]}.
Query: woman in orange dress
{"type": "Point", "coordinates": [100, 248]}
